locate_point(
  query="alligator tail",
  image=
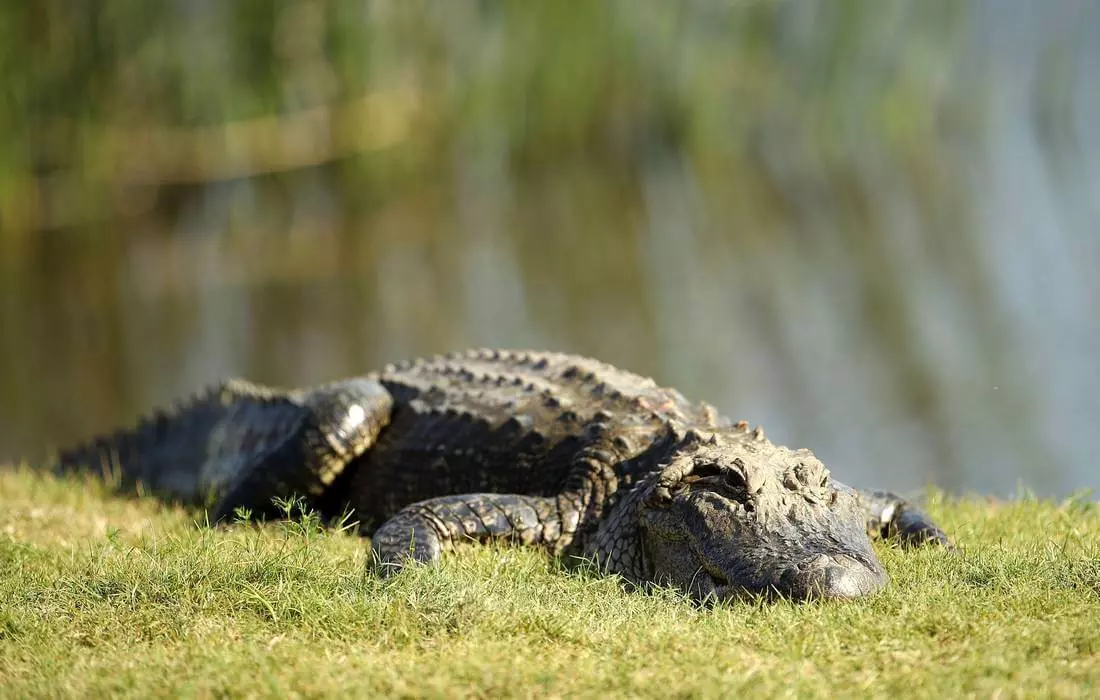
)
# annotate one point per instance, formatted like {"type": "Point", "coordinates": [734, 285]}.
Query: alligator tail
{"type": "Point", "coordinates": [166, 452]}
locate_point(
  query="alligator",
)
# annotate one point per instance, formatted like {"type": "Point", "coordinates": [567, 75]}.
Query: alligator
{"type": "Point", "coordinates": [590, 462]}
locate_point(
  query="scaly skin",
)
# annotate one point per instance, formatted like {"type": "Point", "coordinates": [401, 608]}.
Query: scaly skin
{"type": "Point", "coordinates": [545, 449]}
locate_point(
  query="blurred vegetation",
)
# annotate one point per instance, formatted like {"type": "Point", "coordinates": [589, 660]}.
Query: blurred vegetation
{"type": "Point", "coordinates": [817, 215]}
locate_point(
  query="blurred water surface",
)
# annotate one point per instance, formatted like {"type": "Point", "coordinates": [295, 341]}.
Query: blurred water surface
{"type": "Point", "coordinates": [869, 225]}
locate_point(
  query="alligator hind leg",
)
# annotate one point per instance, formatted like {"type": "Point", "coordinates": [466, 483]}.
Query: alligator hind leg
{"type": "Point", "coordinates": [240, 445]}
{"type": "Point", "coordinates": [291, 444]}
{"type": "Point", "coordinates": [422, 531]}
{"type": "Point", "coordinates": [891, 516]}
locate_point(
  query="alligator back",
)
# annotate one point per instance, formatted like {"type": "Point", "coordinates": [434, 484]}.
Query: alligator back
{"type": "Point", "coordinates": [502, 422]}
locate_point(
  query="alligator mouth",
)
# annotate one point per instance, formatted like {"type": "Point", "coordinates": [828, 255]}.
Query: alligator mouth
{"type": "Point", "coordinates": [712, 585]}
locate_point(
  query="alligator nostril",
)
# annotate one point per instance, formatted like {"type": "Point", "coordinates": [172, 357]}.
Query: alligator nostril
{"type": "Point", "coordinates": [849, 581]}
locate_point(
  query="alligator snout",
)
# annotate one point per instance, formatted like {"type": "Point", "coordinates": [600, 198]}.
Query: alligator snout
{"type": "Point", "coordinates": [836, 576]}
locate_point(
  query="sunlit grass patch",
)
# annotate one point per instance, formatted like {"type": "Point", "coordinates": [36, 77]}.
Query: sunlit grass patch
{"type": "Point", "coordinates": [101, 595]}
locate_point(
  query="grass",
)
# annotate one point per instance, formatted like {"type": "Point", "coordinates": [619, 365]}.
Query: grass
{"type": "Point", "coordinates": [106, 596]}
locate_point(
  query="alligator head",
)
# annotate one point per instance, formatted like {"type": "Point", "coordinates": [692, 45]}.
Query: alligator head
{"type": "Point", "coordinates": [731, 513]}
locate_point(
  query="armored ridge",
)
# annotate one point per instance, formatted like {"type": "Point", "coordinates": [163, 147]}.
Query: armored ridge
{"type": "Point", "coordinates": [545, 449]}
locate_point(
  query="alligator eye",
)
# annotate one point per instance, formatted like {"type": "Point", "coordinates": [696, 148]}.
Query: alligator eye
{"type": "Point", "coordinates": [705, 470]}
{"type": "Point", "coordinates": [735, 479]}
{"type": "Point", "coordinates": [719, 478]}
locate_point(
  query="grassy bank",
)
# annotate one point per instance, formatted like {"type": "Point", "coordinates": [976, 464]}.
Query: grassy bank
{"type": "Point", "coordinates": [100, 595]}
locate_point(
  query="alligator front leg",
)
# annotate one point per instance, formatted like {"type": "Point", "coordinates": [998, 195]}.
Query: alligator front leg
{"type": "Point", "coordinates": [422, 531]}
{"type": "Point", "coordinates": [891, 516]}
